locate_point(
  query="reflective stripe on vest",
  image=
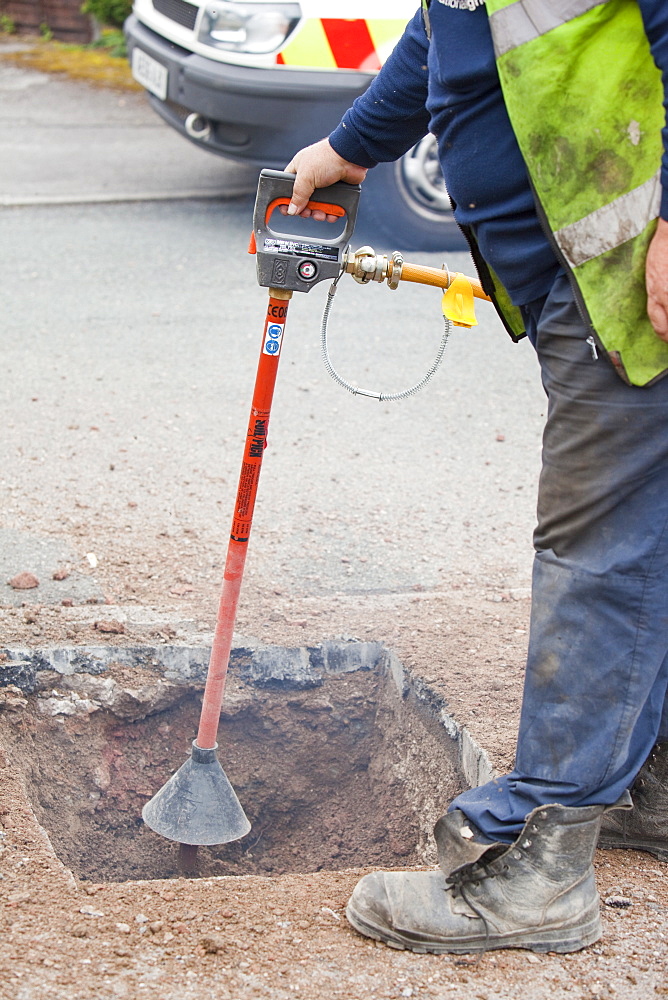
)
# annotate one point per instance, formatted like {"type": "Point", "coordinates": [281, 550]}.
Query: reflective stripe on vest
{"type": "Point", "coordinates": [585, 100]}
{"type": "Point", "coordinates": [340, 43]}
{"type": "Point", "coordinates": [608, 227]}
{"type": "Point", "coordinates": [525, 20]}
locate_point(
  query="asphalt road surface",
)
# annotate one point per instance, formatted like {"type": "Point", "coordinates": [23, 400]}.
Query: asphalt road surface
{"type": "Point", "coordinates": [131, 328]}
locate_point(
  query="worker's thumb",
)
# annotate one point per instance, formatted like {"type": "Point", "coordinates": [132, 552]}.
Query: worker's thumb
{"type": "Point", "coordinates": [302, 190]}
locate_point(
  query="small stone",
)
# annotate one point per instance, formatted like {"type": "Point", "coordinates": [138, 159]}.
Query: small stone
{"type": "Point", "coordinates": [11, 698]}
{"type": "Point", "coordinates": [110, 626]}
{"type": "Point", "coordinates": [212, 944]}
{"type": "Point", "coordinates": [618, 902]}
{"type": "Point", "coordinates": [169, 896]}
{"type": "Point", "coordinates": [123, 928]}
{"type": "Point", "coordinates": [90, 911]}
{"type": "Point", "coordinates": [141, 918]}
{"type": "Point", "coordinates": [179, 927]}
{"type": "Point", "coordinates": [67, 602]}
{"type": "Point", "coordinates": [79, 931]}
{"type": "Point", "coordinates": [18, 898]}
{"type": "Point", "coordinates": [23, 581]}
{"type": "Point", "coordinates": [156, 926]}
{"type": "Point", "coordinates": [500, 437]}
{"type": "Point", "coordinates": [91, 559]}
{"type": "Point", "coordinates": [168, 937]}
{"type": "Point", "coordinates": [61, 574]}
{"type": "Point", "coordinates": [56, 705]}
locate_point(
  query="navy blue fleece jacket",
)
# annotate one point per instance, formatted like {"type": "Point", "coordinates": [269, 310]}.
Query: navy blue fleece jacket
{"type": "Point", "coordinates": [451, 88]}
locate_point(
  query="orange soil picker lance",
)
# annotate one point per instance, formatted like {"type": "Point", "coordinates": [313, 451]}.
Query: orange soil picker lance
{"type": "Point", "coordinates": [197, 805]}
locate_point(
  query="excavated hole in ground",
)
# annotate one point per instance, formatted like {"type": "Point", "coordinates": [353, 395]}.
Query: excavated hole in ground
{"type": "Point", "coordinates": [349, 773]}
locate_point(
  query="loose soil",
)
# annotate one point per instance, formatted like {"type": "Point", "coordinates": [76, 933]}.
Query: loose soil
{"type": "Point", "coordinates": [339, 776]}
{"type": "Point", "coordinates": [280, 936]}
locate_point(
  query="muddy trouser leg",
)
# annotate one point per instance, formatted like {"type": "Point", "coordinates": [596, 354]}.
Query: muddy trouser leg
{"type": "Point", "coordinates": [597, 669]}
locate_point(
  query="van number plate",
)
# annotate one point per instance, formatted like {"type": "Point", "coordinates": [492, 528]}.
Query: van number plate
{"type": "Point", "coordinates": [149, 73]}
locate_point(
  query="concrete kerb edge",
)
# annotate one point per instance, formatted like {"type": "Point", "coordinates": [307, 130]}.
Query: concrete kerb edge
{"type": "Point", "coordinates": [256, 663]}
{"type": "Point", "coordinates": [37, 201]}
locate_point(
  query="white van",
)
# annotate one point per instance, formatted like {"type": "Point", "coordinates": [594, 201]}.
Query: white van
{"type": "Point", "coordinates": [255, 80]}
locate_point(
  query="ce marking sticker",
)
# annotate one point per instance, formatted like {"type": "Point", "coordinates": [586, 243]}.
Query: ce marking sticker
{"type": "Point", "coordinates": [273, 337]}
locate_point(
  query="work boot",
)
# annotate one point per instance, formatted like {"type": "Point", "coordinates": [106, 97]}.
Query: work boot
{"type": "Point", "coordinates": [645, 827]}
{"type": "Point", "coordinates": [537, 893]}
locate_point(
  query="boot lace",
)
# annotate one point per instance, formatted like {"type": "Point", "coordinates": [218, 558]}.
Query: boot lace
{"type": "Point", "coordinates": [461, 879]}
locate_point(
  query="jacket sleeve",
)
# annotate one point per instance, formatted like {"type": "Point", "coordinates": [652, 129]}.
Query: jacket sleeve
{"type": "Point", "coordinates": [389, 117]}
{"type": "Point", "coordinates": [655, 17]}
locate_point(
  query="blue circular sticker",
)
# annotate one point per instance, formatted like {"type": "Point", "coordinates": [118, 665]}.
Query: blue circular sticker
{"type": "Point", "coordinates": [275, 330]}
{"type": "Point", "coordinates": [272, 346]}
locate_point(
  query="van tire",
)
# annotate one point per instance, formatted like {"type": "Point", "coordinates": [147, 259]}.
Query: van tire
{"type": "Point", "coordinates": [406, 203]}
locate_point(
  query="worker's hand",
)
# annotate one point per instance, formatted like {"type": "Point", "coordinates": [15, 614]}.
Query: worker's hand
{"type": "Point", "coordinates": [656, 277]}
{"type": "Point", "coordinates": [318, 166]}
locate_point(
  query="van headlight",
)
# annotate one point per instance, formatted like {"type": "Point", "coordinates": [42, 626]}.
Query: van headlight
{"type": "Point", "coordinates": [247, 27]}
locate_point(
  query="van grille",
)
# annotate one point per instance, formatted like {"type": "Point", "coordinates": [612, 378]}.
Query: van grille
{"type": "Point", "coordinates": [178, 10]}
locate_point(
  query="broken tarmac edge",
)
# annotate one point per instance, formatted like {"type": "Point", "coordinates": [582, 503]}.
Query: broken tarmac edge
{"type": "Point", "coordinates": [89, 684]}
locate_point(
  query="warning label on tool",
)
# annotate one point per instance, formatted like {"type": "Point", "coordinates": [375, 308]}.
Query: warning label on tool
{"type": "Point", "coordinates": [318, 250]}
{"type": "Point", "coordinates": [273, 338]}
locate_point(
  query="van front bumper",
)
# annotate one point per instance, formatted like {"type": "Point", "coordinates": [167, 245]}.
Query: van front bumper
{"type": "Point", "coordinates": [256, 115]}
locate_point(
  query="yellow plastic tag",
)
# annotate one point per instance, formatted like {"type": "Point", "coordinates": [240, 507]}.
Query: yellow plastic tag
{"type": "Point", "coordinates": [457, 302]}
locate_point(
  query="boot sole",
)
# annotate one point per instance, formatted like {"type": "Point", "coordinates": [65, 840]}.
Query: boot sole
{"type": "Point", "coordinates": [609, 842]}
{"type": "Point", "coordinates": [557, 939]}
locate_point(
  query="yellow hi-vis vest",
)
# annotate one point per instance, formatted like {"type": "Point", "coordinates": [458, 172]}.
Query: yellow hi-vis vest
{"type": "Point", "coordinates": [585, 100]}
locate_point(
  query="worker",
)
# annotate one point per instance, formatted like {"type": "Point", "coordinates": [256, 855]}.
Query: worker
{"type": "Point", "coordinates": [552, 141]}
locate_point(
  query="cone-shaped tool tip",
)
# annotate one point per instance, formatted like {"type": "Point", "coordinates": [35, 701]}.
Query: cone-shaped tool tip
{"type": "Point", "coordinates": [198, 804]}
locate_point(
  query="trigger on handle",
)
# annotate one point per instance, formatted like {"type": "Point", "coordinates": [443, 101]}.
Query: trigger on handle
{"type": "Point", "coordinates": [320, 206]}
{"type": "Point", "coordinates": [317, 206]}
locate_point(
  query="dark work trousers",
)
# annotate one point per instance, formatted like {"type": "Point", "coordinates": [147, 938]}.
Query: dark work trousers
{"type": "Point", "coordinates": [594, 698]}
